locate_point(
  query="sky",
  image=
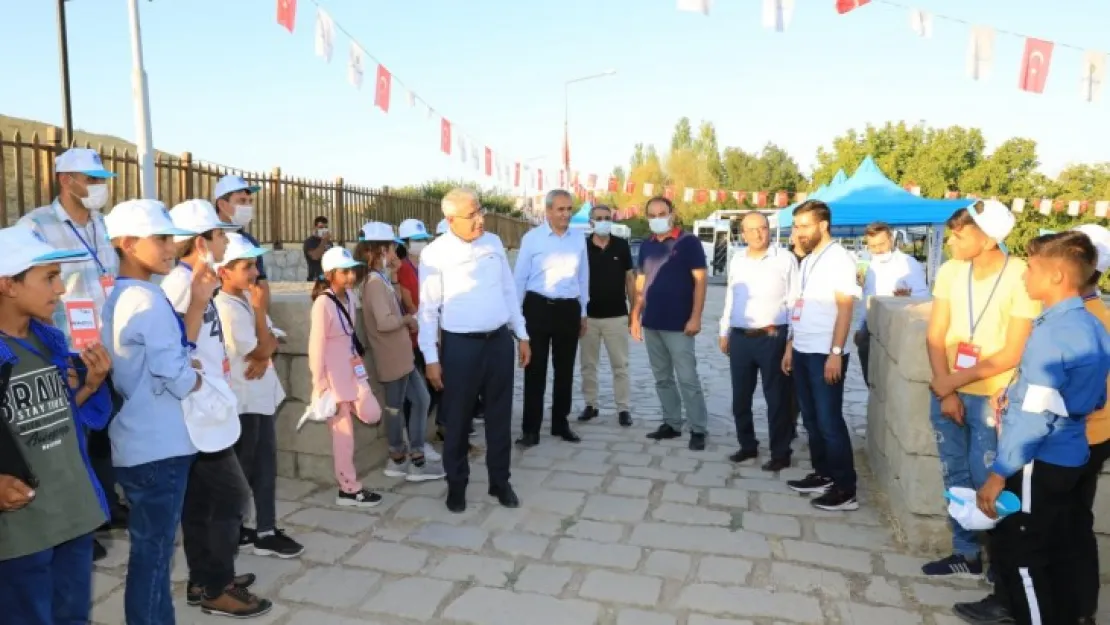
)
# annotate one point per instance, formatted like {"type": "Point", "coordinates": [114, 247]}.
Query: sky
{"type": "Point", "coordinates": [230, 85]}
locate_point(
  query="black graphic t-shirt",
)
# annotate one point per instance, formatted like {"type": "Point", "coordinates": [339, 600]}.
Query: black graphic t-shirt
{"type": "Point", "coordinates": [37, 410]}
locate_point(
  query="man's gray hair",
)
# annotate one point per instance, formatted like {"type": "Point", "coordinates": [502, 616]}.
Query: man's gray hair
{"type": "Point", "coordinates": [458, 198]}
{"type": "Point", "coordinates": [549, 200]}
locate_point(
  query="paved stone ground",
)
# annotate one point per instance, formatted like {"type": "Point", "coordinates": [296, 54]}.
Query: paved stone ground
{"type": "Point", "coordinates": [612, 531]}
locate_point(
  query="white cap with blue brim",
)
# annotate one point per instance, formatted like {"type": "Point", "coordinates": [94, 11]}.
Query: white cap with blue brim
{"type": "Point", "coordinates": [25, 248]}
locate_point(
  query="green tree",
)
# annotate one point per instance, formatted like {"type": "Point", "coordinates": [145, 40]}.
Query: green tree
{"type": "Point", "coordinates": [705, 146]}
{"type": "Point", "coordinates": [637, 156]}
{"type": "Point", "coordinates": [683, 137]}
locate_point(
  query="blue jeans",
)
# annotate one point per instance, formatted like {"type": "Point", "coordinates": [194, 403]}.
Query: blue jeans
{"type": "Point", "coordinates": [966, 454]}
{"type": "Point", "coordinates": [671, 355]}
{"type": "Point", "coordinates": [822, 405]}
{"type": "Point", "coordinates": [156, 493]}
{"type": "Point", "coordinates": [51, 587]}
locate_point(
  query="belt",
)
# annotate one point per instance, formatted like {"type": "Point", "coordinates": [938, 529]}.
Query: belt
{"type": "Point", "coordinates": [759, 332]}
{"type": "Point", "coordinates": [552, 300]}
{"type": "Point", "coordinates": [484, 336]}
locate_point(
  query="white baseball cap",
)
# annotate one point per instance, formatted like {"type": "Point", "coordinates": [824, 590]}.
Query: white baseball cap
{"type": "Point", "coordinates": [412, 229]}
{"type": "Point", "coordinates": [993, 218]}
{"type": "Point", "coordinates": [239, 248]}
{"type": "Point", "coordinates": [442, 227]}
{"type": "Point", "coordinates": [231, 183]}
{"type": "Point", "coordinates": [24, 248]}
{"type": "Point", "coordinates": [81, 161]}
{"type": "Point", "coordinates": [338, 258]}
{"type": "Point", "coordinates": [141, 218]}
{"type": "Point", "coordinates": [198, 217]}
{"type": "Point", "coordinates": [1100, 237]}
{"type": "Point", "coordinates": [377, 231]}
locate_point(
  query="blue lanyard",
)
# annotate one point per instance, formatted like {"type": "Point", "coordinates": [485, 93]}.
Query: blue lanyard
{"type": "Point", "coordinates": [396, 293]}
{"type": "Point", "coordinates": [812, 266]}
{"type": "Point", "coordinates": [180, 319]}
{"type": "Point", "coordinates": [27, 346]}
{"type": "Point", "coordinates": [343, 317]}
{"type": "Point", "coordinates": [90, 248]}
{"type": "Point", "coordinates": [973, 321]}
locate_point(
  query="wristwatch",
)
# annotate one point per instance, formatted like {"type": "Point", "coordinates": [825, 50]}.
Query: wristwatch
{"type": "Point", "coordinates": [837, 351]}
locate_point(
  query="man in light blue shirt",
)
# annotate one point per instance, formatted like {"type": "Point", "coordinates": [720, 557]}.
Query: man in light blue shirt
{"type": "Point", "coordinates": [553, 283]}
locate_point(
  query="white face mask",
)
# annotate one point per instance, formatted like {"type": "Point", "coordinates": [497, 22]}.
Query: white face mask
{"type": "Point", "coordinates": [603, 228]}
{"type": "Point", "coordinates": [320, 232]}
{"type": "Point", "coordinates": [242, 215]}
{"type": "Point", "coordinates": [97, 198]}
{"type": "Point", "coordinates": [416, 246]}
{"type": "Point", "coordinates": [660, 225]}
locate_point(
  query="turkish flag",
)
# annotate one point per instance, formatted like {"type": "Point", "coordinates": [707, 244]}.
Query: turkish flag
{"type": "Point", "coordinates": [445, 136]}
{"type": "Point", "coordinates": [382, 88]}
{"type": "Point", "coordinates": [780, 199]}
{"type": "Point", "coordinates": [1034, 65]}
{"type": "Point", "coordinates": [574, 179]}
{"type": "Point", "coordinates": [701, 196]}
{"type": "Point", "coordinates": [629, 187]}
{"type": "Point", "coordinates": [668, 192]}
{"type": "Point", "coordinates": [614, 184]}
{"type": "Point", "coordinates": [741, 196]}
{"type": "Point", "coordinates": [722, 196]}
{"type": "Point", "coordinates": [516, 174]}
{"type": "Point", "coordinates": [844, 6]}
{"type": "Point", "coordinates": [539, 180]}
{"type": "Point", "coordinates": [562, 178]}
{"type": "Point", "coordinates": [287, 13]}
{"type": "Point", "coordinates": [760, 198]}
{"type": "Point", "coordinates": [591, 181]}
{"type": "Point", "coordinates": [489, 162]}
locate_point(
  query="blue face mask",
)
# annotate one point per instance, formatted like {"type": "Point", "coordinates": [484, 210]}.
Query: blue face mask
{"type": "Point", "coordinates": [660, 225]}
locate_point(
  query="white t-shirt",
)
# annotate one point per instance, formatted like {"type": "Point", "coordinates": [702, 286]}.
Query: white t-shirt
{"type": "Point", "coordinates": [210, 342]}
{"type": "Point", "coordinates": [262, 396]}
{"type": "Point", "coordinates": [822, 276]}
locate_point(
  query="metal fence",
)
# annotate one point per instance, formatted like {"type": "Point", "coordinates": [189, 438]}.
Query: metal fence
{"type": "Point", "coordinates": [284, 209]}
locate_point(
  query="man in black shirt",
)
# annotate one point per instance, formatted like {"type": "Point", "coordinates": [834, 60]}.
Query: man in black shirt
{"type": "Point", "coordinates": [315, 245]}
{"type": "Point", "coordinates": [612, 288]}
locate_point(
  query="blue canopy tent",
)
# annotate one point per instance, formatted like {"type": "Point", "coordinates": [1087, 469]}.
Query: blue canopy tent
{"type": "Point", "coordinates": [824, 190]}
{"type": "Point", "coordinates": [581, 219]}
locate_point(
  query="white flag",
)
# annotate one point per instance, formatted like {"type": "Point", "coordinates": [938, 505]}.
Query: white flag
{"type": "Point", "coordinates": [412, 98]}
{"type": "Point", "coordinates": [474, 157]}
{"type": "Point", "coordinates": [354, 66]}
{"type": "Point", "coordinates": [921, 23]}
{"type": "Point", "coordinates": [1100, 208]}
{"type": "Point", "coordinates": [325, 35]}
{"type": "Point", "coordinates": [688, 195]}
{"type": "Point", "coordinates": [1046, 206]}
{"type": "Point", "coordinates": [1094, 74]}
{"type": "Point", "coordinates": [777, 14]}
{"type": "Point", "coordinates": [648, 188]}
{"type": "Point", "coordinates": [1019, 205]}
{"type": "Point", "coordinates": [463, 156]}
{"type": "Point", "coordinates": [980, 52]}
{"type": "Point", "coordinates": [1073, 208]}
{"type": "Point", "coordinates": [695, 6]}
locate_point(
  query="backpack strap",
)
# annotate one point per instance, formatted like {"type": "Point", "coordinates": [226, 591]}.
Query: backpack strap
{"type": "Point", "coordinates": [359, 349]}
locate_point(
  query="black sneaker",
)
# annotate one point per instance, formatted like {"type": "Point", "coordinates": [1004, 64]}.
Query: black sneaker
{"type": "Point", "coordinates": [956, 565]}
{"type": "Point", "coordinates": [588, 413]}
{"type": "Point", "coordinates": [988, 611]}
{"type": "Point", "coordinates": [744, 456]}
{"type": "Point", "coordinates": [811, 483]}
{"type": "Point", "coordinates": [836, 499]}
{"type": "Point", "coordinates": [276, 543]}
{"type": "Point", "coordinates": [194, 593]}
{"type": "Point", "coordinates": [362, 499]}
{"type": "Point", "coordinates": [624, 418]}
{"type": "Point", "coordinates": [664, 432]}
{"type": "Point", "coordinates": [697, 441]}
{"type": "Point", "coordinates": [247, 536]}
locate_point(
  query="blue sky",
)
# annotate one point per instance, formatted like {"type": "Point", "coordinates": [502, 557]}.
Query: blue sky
{"type": "Point", "coordinates": [231, 86]}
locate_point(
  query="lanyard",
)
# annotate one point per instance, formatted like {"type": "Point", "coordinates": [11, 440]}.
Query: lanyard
{"type": "Point", "coordinates": [342, 310]}
{"type": "Point", "coordinates": [1090, 296]}
{"type": "Point", "coordinates": [27, 346]}
{"type": "Point", "coordinates": [812, 266]}
{"type": "Point", "coordinates": [973, 321]}
{"type": "Point", "coordinates": [90, 248]}
{"type": "Point", "coordinates": [389, 285]}
{"type": "Point", "coordinates": [179, 318]}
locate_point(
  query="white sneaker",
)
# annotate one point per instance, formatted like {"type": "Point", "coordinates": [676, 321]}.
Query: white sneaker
{"type": "Point", "coordinates": [431, 454]}
{"type": "Point", "coordinates": [430, 471]}
{"type": "Point", "coordinates": [396, 469]}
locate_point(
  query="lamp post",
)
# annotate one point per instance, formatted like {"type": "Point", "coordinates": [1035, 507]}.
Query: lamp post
{"type": "Point", "coordinates": [566, 112]}
{"type": "Point", "coordinates": [63, 57]}
{"type": "Point", "coordinates": [140, 96]}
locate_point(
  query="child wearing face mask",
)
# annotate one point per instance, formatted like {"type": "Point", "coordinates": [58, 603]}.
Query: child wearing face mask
{"type": "Point", "coordinates": [335, 361]}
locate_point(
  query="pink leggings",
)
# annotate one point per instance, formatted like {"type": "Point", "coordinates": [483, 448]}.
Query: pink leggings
{"type": "Point", "coordinates": [343, 448]}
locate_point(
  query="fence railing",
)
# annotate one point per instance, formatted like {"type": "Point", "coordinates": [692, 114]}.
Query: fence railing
{"type": "Point", "coordinates": [284, 209]}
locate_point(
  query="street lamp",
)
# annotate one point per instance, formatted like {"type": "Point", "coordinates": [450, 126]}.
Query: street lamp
{"type": "Point", "coordinates": [63, 57]}
{"type": "Point", "coordinates": [566, 112]}
{"type": "Point", "coordinates": [141, 98]}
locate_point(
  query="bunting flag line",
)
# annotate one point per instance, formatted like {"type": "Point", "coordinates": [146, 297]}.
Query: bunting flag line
{"type": "Point", "coordinates": [921, 23]}
{"type": "Point", "coordinates": [1093, 75]}
{"type": "Point", "coordinates": [1034, 65]}
{"type": "Point", "coordinates": [354, 66]}
{"type": "Point", "coordinates": [980, 52]}
{"type": "Point", "coordinates": [325, 35]}
{"type": "Point", "coordinates": [382, 89]}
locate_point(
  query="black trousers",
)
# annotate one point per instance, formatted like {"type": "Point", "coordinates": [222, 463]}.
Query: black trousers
{"type": "Point", "coordinates": [553, 327]}
{"type": "Point", "coordinates": [758, 355]}
{"type": "Point", "coordinates": [1085, 559]}
{"type": "Point", "coordinates": [211, 518]}
{"type": "Point", "coordinates": [473, 364]}
{"type": "Point", "coordinates": [1033, 551]}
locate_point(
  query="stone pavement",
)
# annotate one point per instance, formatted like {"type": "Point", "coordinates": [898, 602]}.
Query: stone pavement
{"type": "Point", "coordinates": [612, 531]}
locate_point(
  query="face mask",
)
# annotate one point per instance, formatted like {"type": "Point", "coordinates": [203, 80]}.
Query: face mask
{"type": "Point", "coordinates": [603, 228]}
{"type": "Point", "coordinates": [660, 225]}
{"type": "Point", "coordinates": [416, 246]}
{"type": "Point", "coordinates": [882, 258]}
{"type": "Point", "coordinates": [97, 198]}
{"type": "Point", "coordinates": [320, 232]}
{"type": "Point", "coordinates": [242, 215]}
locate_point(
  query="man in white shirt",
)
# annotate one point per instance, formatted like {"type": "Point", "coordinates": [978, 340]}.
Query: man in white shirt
{"type": "Point", "coordinates": [753, 334]}
{"type": "Point", "coordinates": [890, 273]}
{"type": "Point", "coordinates": [553, 283]}
{"type": "Point", "coordinates": [817, 355]}
{"type": "Point", "coordinates": [468, 315]}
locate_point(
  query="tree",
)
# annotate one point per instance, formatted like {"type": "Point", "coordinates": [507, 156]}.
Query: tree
{"type": "Point", "coordinates": [705, 146]}
{"type": "Point", "coordinates": [637, 156]}
{"type": "Point", "coordinates": [683, 137]}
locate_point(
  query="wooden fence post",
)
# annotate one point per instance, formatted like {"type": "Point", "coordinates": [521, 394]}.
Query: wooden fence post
{"type": "Point", "coordinates": [46, 162]}
{"type": "Point", "coordinates": [275, 207]}
{"type": "Point", "coordinates": [341, 210]}
{"type": "Point", "coordinates": [185, 176]}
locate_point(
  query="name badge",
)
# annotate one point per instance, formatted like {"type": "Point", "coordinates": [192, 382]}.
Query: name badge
{"type": "Point", "coordinates": [967, 356]}
{"type": "Point", "coordinates": [81, 322]}
{"type": "Point", "coordinates": [227, 368]}
{"type": "Point", "coordinates": [107, 283]}
{"type": "Point", "coordinates": [360, 368]}
{"type": "Point", "coordinates": [796, 313]}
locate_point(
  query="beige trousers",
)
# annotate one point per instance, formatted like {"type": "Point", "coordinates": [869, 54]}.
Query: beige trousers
{"type": "Point", "coordinates": [614, 333]}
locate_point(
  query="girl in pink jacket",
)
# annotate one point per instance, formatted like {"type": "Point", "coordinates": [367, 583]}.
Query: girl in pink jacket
{"type": "Point", "coordinates": [335, 359]}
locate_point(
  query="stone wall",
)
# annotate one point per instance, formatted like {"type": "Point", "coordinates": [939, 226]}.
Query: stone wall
{"type": "Point", "coordinates": [901, 446]}
{"type": "Point", "coordinates": [288, 265]}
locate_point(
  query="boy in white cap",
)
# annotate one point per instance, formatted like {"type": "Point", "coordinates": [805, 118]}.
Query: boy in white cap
{"type": "Point", "coordinates": [213, 509]}
{"type": "Point", "coordinates": [74, 221]}
{"type": "Point", "coordinates": [50, 500]}
{"type": "Point", "coordinates": [247, 335]}
{"type": "Point", "coordinates": [980, 319]}
{"type": "Point", "coordinates": [153, 372]}
{"type": "Point", "coordinates": [234, 202]}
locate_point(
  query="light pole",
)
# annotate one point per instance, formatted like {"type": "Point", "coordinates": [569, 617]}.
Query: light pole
{"type": "Point", "coordinates": [566, 113]}
{"type": "Point", "coordinates": [141, 98]}
{"type": "Point", "coordinates": [63, 56]}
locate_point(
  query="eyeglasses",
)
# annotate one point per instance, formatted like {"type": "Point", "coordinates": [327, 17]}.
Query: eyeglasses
{"type": "Point", "coordinates": [479, 214]}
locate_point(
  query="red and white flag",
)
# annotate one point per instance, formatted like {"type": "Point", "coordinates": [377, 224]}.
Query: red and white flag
{"type": "Point", "coordinates": [921, 23]}
{"type": "Point", "coordinates": [701, 196]}
{"type": "Point", "coordinates": [355, 66]}
{"type": "Point", "coordinates": [1035, 62]}
{"type": "Point", "coordinates": [695, 6]}
{"type": "Point", "coordinates": [539, 180]}
{"type": "Point", "coordinates": [630, 186]}
{"type": "Point", "coordinates": [591, 181]}
{"type": "Point", "coordinates": [383, 88]}
{"type": "Point", "coordinates": [287, 14]}
{"type": "Point", "coordinates": [844, 6]}
{"type": "Point", "coordinates": [980, 52]}
{"type": "Point", "coordinates": [614, 184]}
{"type": "Point", "coordinates": [325, 35]}
{"type": "Point", "coordinates": [445, 136]}
{"type": "Point", "coordinates": [489, 162]}
{"type": "Point", "coordinates": [1093, 76]}
{"type": "Point", "coordinates": [722, 196]}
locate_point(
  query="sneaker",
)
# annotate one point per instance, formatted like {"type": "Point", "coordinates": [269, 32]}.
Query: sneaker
{"type": "Point", "coordinates": [194, 593]}
{"type": "Point", "coordinates": [247, 536]}
{"type": "Point", "coordinates": [744, 455]}
{"type": "Point", "coordinates": [394, 468]}
{"type": "Point", "coordinates": [836, 499]}
{"type": "Point", "coordinates": [431, 454]}
{"type": "Point", "coordinates": [236, 602]}
{"type": "Point", "coordinates": [362, 499]}
{"type": "Point", "coordinates": [697, 441]}
{"type": "Point", "coordinates": [811, 483]}
{"type": "Point", "coordinates": [624, 418]}
{"type": "Point", "coordinates": [664, 432]}
{"type": "Point", "coordinates": [988, 611]}
{"type": "Point", "coordinates": [276, 543]}
{"type": "Point", "coordinates": [588, 413]}
{"type": "Point", "coordinates": [425, 471]}
{"type": "Point", "coordinates": [956, 565]}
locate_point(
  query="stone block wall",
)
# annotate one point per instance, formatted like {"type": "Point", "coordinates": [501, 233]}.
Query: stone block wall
{"type": "Point", "coordinates": [288, 265]}
{"type": "Point", "coordinates": [901, 447]}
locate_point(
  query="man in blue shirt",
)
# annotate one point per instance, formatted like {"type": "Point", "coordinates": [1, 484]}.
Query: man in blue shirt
{"type": "Point", "coordinates": [1043, 443]}
{"type": "Point", "coordinates": [670, 296]}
